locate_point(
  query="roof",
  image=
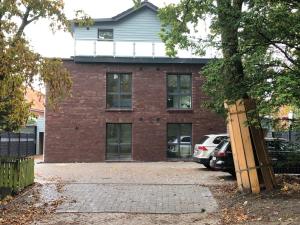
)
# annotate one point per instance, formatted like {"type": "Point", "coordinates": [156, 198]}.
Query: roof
{"type": "Point", "coordinates": [37, 98]}
{"type": "Point", "coordinates": [140, 60]}
{"type": "Point", "coordinates": [144, 4]}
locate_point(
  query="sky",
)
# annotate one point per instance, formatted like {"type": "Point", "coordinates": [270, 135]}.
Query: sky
{"type": "Point", "coordinates": [61, 44]}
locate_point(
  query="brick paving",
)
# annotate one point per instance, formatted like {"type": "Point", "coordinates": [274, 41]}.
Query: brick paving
{"type": "Point", "coordinates": [134, 198]}
{"type": "Point", "coordinates": [158, 193]}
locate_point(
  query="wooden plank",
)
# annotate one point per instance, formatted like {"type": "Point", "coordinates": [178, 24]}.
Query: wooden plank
{"type": "Point", "coordinates": [15, 185]}
{"type": "Point", "coordinates": [267, 159]}
{"type": "Point", "coordinates": [261, 151]}
{"type": "Point", "coordinates": [5, 175]}
{"type": "Point", "coordinates": [246, 139]}
{"type": "Point", "coordinates": [238, 147]}
{"type": "Point", "coordinates": [1, 174]}
{"type": "Point", "coordinates": [21, 174]}
{"type": "Point", "coordinates": [32, 171]}
{"type": "Point", "coordinates": [259, 148]}
{"type": "Point", "coordinates": [271, 171]}
{"type": "Point", "coordinates": [9, 175]}
{"type": "Point", "coordinates": [235, 159]}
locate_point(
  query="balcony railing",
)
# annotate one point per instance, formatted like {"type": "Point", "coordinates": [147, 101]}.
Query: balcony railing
{"type": "Point", "coordinates": [132, 48]}
{"type": "Point", "coordinates": [85, 47]}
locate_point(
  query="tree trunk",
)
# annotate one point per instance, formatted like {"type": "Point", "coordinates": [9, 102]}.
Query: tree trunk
{"type": "Point", "coordinates": [252, 166]}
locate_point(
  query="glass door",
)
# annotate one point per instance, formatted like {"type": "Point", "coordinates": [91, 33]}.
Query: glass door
{"type": "Point", "coordinates": [179, 140]}
{"type": "Point", "coordinates": [118, 141]}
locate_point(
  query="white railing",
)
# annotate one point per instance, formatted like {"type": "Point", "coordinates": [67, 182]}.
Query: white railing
{"type": "Point", "coordinates": [131, 48]}
{"type": "Point", "coordinates": [85, 47]}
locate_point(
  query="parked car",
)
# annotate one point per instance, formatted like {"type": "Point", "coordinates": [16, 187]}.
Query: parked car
{"type": "Point", "coordinates": [204, 149]}
{"type": "Point", "coordinates": [285, 157]}
{"type": "Point", "coordinates": [222, 158]}
{"type": "Point", "coordinates": [182, 149]}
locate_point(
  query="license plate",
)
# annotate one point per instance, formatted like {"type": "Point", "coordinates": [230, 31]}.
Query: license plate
{"type": "Point", "coordinates": [214, 158]}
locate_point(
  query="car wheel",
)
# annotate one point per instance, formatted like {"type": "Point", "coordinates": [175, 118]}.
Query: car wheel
{"type": "Point", "coordinates": [232, 173]}
{"type": "Point", "coordinates": [207, 165]}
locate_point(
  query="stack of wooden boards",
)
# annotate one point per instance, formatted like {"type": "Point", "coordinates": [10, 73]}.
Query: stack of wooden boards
{"type": "Point", "coordinates": [252, 165]}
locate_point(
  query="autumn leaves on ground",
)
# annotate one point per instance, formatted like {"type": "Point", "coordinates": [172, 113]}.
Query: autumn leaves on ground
{"type": "Point", "coordinates": [27, 206]}
{"type": "Point", "coordinates": [278, 207]}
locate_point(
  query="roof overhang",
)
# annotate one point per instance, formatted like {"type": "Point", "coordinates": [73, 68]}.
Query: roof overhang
{"type": "Point", "coordinates": [140, 60]}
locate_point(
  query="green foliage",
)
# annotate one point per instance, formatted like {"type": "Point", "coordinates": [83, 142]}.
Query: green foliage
{"type": "Point", "coordinates": [137, 3]}
{"type": "Point", "coordinates": [82, 19]}
{"type": "Point", "coordinates": [260, 43]}
{"type": "Point", "coordinates": [19, 63]}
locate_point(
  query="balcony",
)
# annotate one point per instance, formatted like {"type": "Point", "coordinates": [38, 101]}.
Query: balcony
{"type": "Point", "coordinates": [132, 48]}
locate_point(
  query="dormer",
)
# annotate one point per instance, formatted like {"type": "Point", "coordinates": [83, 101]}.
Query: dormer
{"type": "Point", "coordinates": [132, 33]}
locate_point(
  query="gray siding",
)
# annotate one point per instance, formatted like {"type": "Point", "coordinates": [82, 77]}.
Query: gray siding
{"type": "Point", "coordinates": [143, 25]}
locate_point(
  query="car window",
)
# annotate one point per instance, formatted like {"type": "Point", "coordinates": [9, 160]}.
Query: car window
{"type": "Point", "coordinates": [222, 145]}
{"type": "Point", "coordinates": [229, 147]}
{"type": "Point", "coordinates": [172, 139]}
{"type": "Point", "coordinates": [203, 139]}
{"type": "Point", "coordinates": [186, 139]}
{"type": "Point", "coordinates": [218, 140]}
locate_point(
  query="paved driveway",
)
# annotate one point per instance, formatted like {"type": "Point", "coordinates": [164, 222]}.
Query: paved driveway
{"type": "Point", "coordinates": [150, 191]}
{"type": "Point", "coordinates": [130, 173]}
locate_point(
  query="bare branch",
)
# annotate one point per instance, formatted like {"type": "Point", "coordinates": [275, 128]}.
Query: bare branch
{"type": "Point", "coordinates": [24, 22]}
{"type": "Point", "coordinates": [289, 58]}
{"type": "Point", "coordinates": [34, 18]}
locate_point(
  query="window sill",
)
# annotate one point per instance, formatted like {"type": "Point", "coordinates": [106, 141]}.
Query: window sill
{"type": "Point", "coordinates": [111, 40]}
{"type": "Point", "coordinates": [180, 110]}
{"type": "Point", "coordinates": [118, 110]}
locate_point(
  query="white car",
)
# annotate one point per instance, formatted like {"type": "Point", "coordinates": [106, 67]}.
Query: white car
{"type": "Point", "coordinates": [203, 151]}
{"type": "Point", "coordinates": [182, 150]}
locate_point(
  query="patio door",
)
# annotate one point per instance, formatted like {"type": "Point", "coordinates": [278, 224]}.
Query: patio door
{"type": "Point", "coordinates": [179, 140]}
{"type": "Point", "coordinates": [118, 141]}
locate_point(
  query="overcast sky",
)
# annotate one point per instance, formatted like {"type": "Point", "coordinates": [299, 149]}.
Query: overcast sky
{"type": "Point", "coordinates": [61, 44]}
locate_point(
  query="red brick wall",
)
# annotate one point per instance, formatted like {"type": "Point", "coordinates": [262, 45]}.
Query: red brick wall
{"type": "Point", "coordinates": [75, 132]}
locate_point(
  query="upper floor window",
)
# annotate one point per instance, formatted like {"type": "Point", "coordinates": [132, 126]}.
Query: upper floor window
{"type": "Point", "coordinates": [179, 91]}
{"type": "Point", "coordinates": [119, 90]}
{"type": "Point", "coordinates": [105, 34]}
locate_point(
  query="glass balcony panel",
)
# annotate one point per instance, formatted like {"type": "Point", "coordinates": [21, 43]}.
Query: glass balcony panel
{"type": "Point", "coordinates": [85, 47]}
{"type": "Point", "coordinates": [89, 47]}
{"type": "Point", "coordinates": [160, 50]}
{"type": "Point", "coordinates": [143, 49]}
{"type": "Point", "coordinates": [124, 48]}
{"type": "Point", "coordinates": [104, 48]}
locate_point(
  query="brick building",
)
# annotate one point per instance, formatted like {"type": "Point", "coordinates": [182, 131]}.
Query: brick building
{"type": "Point", "coordinates": [129, 101]}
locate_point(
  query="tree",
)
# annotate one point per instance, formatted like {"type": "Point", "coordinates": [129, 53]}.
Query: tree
{"type": "Point", "coordinates": [19, 64]}
{"type": "Point", "coordinates": [259, 41]}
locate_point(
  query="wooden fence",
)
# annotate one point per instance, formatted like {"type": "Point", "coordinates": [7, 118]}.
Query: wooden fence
{"type": "Point", "coordinates": [15, 174]}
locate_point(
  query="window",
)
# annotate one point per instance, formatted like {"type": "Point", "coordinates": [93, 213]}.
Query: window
{"type": "Point", "coordinates": [186, 140]}
{"type": "Point", "coordinates": [219, 139]}
{"type": "Point", "coordinates": [179, 91]}
{"type": "Point", "coordinates": [118, 141]}
{"type": "Point", "coordinates": [105, 34]}
{"type": "Point", "coordinates": [118, 91]}
{"type": "Point", "coordinates": [203, 139]}
{"type": "Point", "coordinates": [179, 140]}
